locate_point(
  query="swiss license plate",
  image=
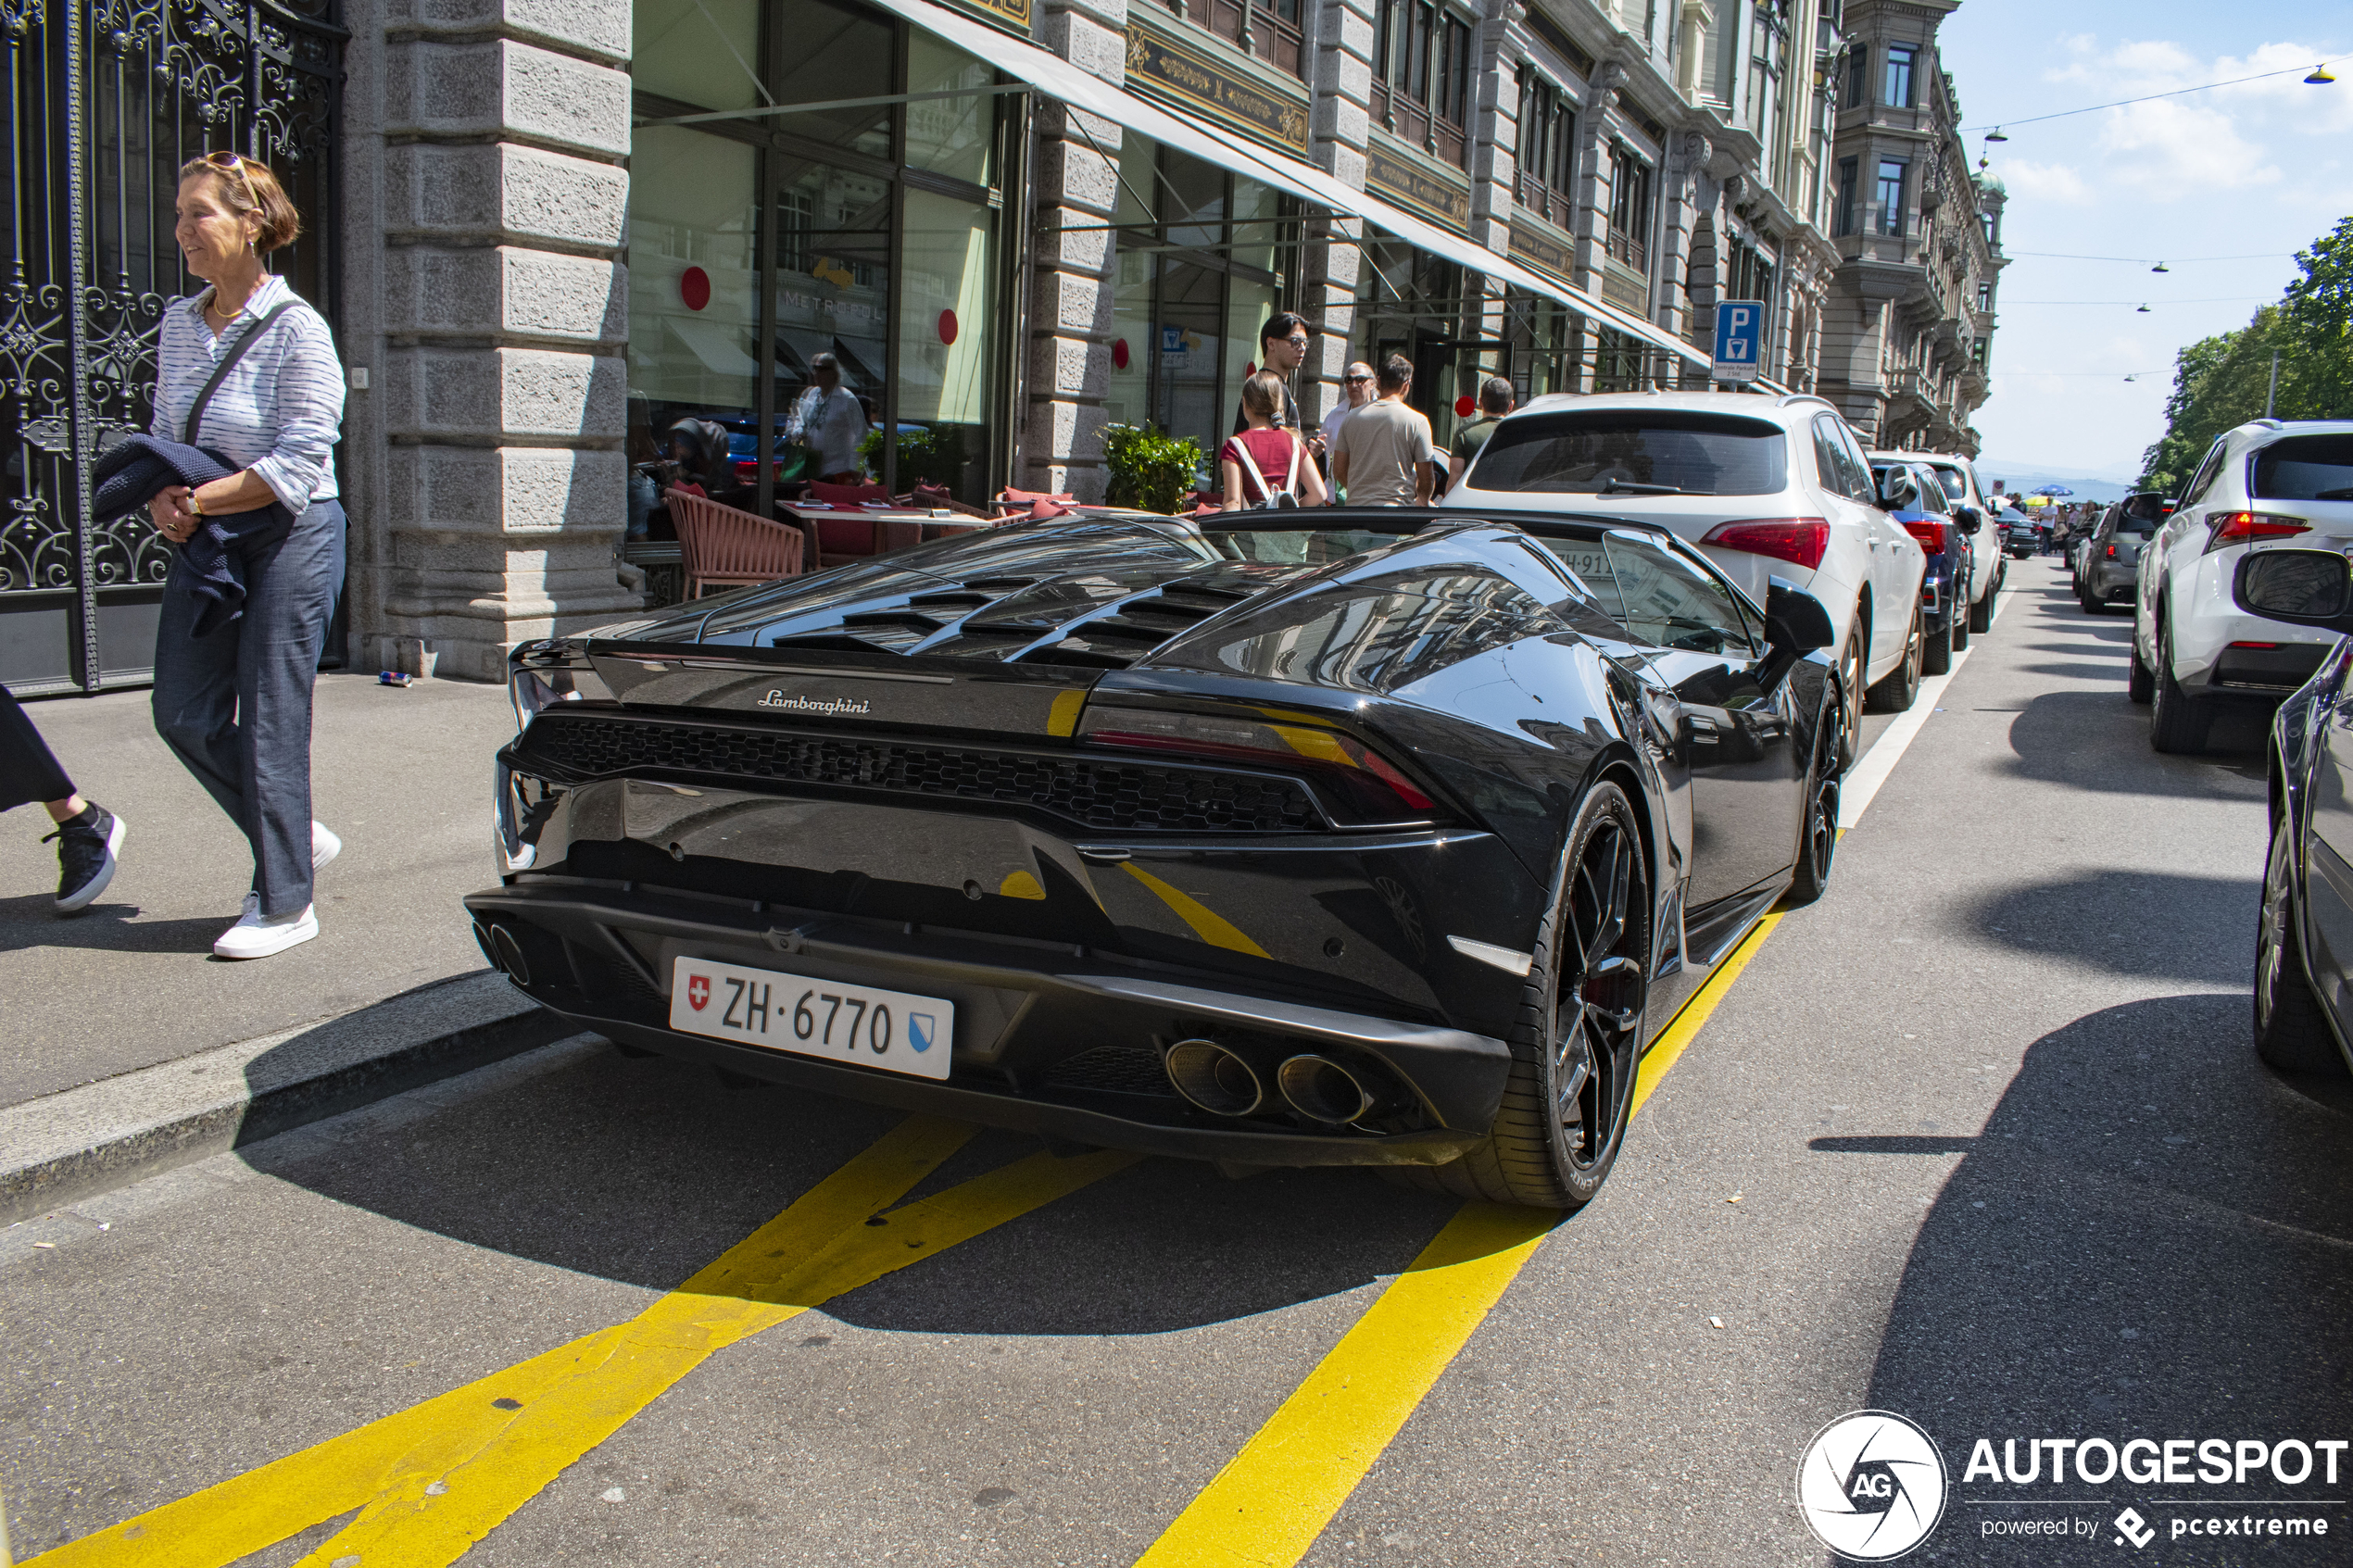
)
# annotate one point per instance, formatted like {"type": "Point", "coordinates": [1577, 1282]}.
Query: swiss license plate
{"type": "Point", "coordinates": [893, 1030]}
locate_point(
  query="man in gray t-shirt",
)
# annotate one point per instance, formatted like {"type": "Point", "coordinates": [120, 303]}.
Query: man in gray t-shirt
{"type": "Point", "coordinates": [1386, 455]}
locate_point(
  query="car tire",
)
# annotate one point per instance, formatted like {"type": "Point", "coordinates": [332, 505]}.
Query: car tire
{"type": "Point", "coordinates": [2292, 1033]}
{"type": "Point", "coordinates": [1574, 1060]}
{"type": "Point", "coordinates": [1851, 669]}
{"type": "Point", "coordinates": [1960, 619]}
{"type": "Point", "coordinates": [1901, 688]}
{"type": "Point", "coordinates": [2140, 682]}
{"type": "Point", "coordinates": [1818, 832]}
{"type": "Point", "coordinates": [2177, 723]}
{"type": "Point", "coordinates": [1981, 614]}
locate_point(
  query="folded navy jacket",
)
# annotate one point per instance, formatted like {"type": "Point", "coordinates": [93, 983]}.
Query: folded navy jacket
{"type": "Point", "coordinates": [135, 472]}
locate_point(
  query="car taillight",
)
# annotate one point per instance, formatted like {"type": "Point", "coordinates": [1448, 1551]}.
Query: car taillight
{"type": "Point", "coordinates": [1931, 536]}
{"type": "Point", "coordinates": [2111, 552]}
{"type": "Point", "coordinates": [1798, 539]}
{"type": "Point", "coordinates": [1368, 785]}
{"type": "Point", "coordinates": [2265, 646]}
{"type": "Point", "coordinates": [2241, 528]}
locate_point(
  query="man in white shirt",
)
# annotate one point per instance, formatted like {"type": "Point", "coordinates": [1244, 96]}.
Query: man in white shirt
{"type": "Point", "coordinates": [1359, 385]}
{"type": "Point", "coordinates": [830, 423]}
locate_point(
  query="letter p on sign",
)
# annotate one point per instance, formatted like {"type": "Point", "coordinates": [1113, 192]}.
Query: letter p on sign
{"type": "Point", "coordinates": [1740, 331]}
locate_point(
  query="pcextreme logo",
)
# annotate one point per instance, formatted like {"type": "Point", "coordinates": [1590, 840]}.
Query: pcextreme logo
{"type": "Point", "coordinates": [1871, 1486]}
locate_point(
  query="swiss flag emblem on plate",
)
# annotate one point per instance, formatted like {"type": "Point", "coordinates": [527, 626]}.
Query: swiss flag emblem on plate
{"type": "Point", "coordinates": [698, 992]}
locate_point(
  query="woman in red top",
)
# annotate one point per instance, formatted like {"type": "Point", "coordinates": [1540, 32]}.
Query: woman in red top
{"type": "Point", "coordinates": [1275, 453]}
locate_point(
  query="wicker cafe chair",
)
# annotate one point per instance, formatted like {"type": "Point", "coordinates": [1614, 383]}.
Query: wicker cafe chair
{"type": "Point", "coordinates": [726, 547]}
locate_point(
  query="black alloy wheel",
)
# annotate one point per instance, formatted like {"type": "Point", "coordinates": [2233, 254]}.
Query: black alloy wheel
{"type": "Point", "coordinates": [1850, 693]}
{"type": "Point", "coordinates": [1818, 834]}
{"type": "Point", "coordinates": [2290, 1031]}
{"type": "Point", "coordinates": [1902, 686]}
{"type": "Point", "coordinates": [1577, 1043]}
{"type": "Point", "coordinates": [2178, 724]}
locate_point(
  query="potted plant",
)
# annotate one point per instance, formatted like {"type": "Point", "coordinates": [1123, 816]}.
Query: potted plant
{"type": "Point", "coordinates": [1150, 469]}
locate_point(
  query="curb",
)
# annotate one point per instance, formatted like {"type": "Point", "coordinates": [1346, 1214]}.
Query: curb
{"type": "Point", "coordinates": [68, 1145]}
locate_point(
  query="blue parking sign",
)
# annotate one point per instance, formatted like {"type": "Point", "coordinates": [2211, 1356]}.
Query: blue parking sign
{"type": "Point", "coordinates": [1739, 335]}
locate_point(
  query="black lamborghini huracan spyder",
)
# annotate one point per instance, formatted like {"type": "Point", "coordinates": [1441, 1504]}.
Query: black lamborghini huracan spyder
{"type": "Point", "coordinates": [1298, 838]}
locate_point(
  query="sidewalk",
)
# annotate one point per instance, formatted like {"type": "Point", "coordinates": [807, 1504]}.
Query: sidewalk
{"type": "Point", "coordinates": [403, 775]}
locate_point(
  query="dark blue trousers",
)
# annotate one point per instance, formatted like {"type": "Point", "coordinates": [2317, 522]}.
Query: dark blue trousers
{"type": "Point", "coordinates": [235, 706]}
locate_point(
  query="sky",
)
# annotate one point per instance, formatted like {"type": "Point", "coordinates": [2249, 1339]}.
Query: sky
{"type": "Point", "coordinates": [2256, 171]}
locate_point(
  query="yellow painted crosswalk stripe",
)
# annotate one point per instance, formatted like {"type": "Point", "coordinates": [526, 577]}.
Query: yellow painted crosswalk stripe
{"type": "Point", "coordinates": [430, 1481]}
{"type": "Point", "coordinates": [1268, 1505]}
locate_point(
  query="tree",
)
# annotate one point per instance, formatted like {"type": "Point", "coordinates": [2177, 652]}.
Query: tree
{"type": "Point", "coordinates": [2223, 382]}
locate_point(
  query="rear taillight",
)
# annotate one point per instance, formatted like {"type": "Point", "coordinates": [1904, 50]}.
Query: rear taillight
{"type": "Point", "coordinates": [2265, 646]}
{"type": "Point", "coordinates": [1801, 541]}
{"type": "Point", "coordinates": [2241, 528]}
{"type": "Point", "coordinates": [1930, 534]}
{"type": "Point", "coordinates": [1365, 785]}
{"type": "Point", "coordinates": [2111, 552]}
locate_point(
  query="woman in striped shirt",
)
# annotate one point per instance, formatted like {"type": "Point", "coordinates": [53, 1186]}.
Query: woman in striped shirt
{"type": "Point", "coordinates": [235, 704]}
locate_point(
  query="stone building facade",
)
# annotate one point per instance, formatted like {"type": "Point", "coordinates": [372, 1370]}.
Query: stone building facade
{"type": "Point", "coordinates": [570, 223]}
{"type": "Point", "coordinates": [1918, 238]}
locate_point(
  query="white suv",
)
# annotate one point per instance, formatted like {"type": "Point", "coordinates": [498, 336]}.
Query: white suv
{"type": "Point", "coordinates": [1767, 486]}
{"type": "Point", "coordinates": [2269, 482]}
{"type": "Point", "coordinates": [1990, 562]}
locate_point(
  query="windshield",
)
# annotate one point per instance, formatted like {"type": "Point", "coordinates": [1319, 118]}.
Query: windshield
{"type": "Point", "coordinates": [2306, 468]}
{"type": "Point", "coordinates": [1304, 546]}
{"type": "Point", "coordinates": [1662, 450]}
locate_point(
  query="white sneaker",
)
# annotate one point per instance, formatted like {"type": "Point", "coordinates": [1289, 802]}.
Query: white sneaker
{"type": "Point", "coordinates": [258, 937]}
{"type": "Point", "coordinates": [324, 844]}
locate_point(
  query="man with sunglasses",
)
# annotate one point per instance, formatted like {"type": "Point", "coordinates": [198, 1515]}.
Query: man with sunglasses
{"type": "Point", "coordinates": [1359, 384]}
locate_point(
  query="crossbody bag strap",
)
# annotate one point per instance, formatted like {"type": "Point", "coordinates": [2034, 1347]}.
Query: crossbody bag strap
{"type": "Point", "coordinates": [228, 363]}
{"type": "Point", "coordinates": [1298, 461]}
{"type": "Point", "coordinates": [1249, 467]}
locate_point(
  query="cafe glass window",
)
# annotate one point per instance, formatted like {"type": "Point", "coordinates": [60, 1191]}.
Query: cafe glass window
{"type": "Point", "coordinates": [1204, 257]}
{"type": "Point", "coordinates": [1544, 345]}
{"type": "Point", "coordinates": [1412, 304]}
{"type": "Point", "coordinates": [870, 232]}
{"type": "Point", "coordinates": [1422, 72]}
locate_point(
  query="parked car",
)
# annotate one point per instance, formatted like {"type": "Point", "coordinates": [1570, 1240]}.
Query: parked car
{"type": "Point", "coordinates": [2110, 558]}
{"type": "Point", "coordinates": [1389, 838]}
{"type": "Point", "coordinates": [2304, 931]}
{"type": "Point", "coordinates": [1989, 563]}
{"type": "Point", "coordinates": [2268, 485]}
{"type": "Point", "coordinates": [2022, 533]}
{"type": "Point", "coordinates": [1765, 486]}
{"type": "Point", "coordinates": [1914, 497]}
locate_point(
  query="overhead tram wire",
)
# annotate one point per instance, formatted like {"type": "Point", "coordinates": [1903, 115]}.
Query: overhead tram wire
{"type": "Point", "coordinates": [2319, 72]}
{"type": "Point", "coordinates": [2161, 260]}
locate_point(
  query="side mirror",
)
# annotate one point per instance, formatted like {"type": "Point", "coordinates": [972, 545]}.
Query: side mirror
{"type": "Point", "coordinates": [1897, 492]}
{"type": "Point", "coordinates": [2301, 587]}
{"type": "Point", "coordinates": [1968, 519]}
{"type": "Point", "coordinates": [1796, 621]}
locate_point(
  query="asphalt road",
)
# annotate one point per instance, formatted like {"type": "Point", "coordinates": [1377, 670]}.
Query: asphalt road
{"type": "Point", "coordinates": [1977, 1139]}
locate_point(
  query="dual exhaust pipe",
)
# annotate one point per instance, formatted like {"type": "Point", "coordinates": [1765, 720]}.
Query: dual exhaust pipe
{"type": "Point", "coordinates": [498, 945]}
{"type": "Point", "coordinates": [1222, 1082]}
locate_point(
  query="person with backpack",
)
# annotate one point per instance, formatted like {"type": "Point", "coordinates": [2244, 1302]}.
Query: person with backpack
{"type": "Point", "coordinates": [1266, 465]}
{"type": "Point", "coordinates": [247, 377]}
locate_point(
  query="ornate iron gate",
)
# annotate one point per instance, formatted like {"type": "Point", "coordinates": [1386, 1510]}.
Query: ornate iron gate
{"type": "Point", "coordinates": [106, 100]}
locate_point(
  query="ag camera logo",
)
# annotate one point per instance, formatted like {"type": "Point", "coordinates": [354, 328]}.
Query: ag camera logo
{"type": "Point", "coordinates": [1871, 1486]}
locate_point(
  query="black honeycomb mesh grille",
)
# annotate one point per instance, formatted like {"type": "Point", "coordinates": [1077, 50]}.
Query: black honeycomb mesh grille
{"type": "Point", "coordinates": [1096, 794]}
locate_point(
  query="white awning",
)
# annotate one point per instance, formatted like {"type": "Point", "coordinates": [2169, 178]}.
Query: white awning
{"type": "Point", "coordinates": [1063, 82]}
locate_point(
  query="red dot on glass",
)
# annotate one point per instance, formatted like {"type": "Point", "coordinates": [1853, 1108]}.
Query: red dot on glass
{"type": "Point", "coordinates": [1250, 370]}
{"type": "Point", "coordinates": [947, 326]}
{"type": "Point", "coordinates": [694, 287]}
{"type": "Point", "coordinates": [1119, 354]}
{"type": "Point", "coordinates": [1463, 406]}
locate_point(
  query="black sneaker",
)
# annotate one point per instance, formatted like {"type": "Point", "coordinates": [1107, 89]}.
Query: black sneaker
{"type": "Point", "coordinates": [85, 856]}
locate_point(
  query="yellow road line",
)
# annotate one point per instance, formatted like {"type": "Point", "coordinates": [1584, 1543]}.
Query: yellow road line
{"type": "Point", "coordinates": [1268, 1505]}
{"type": "Point", "coordinates": [499, 1431]}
